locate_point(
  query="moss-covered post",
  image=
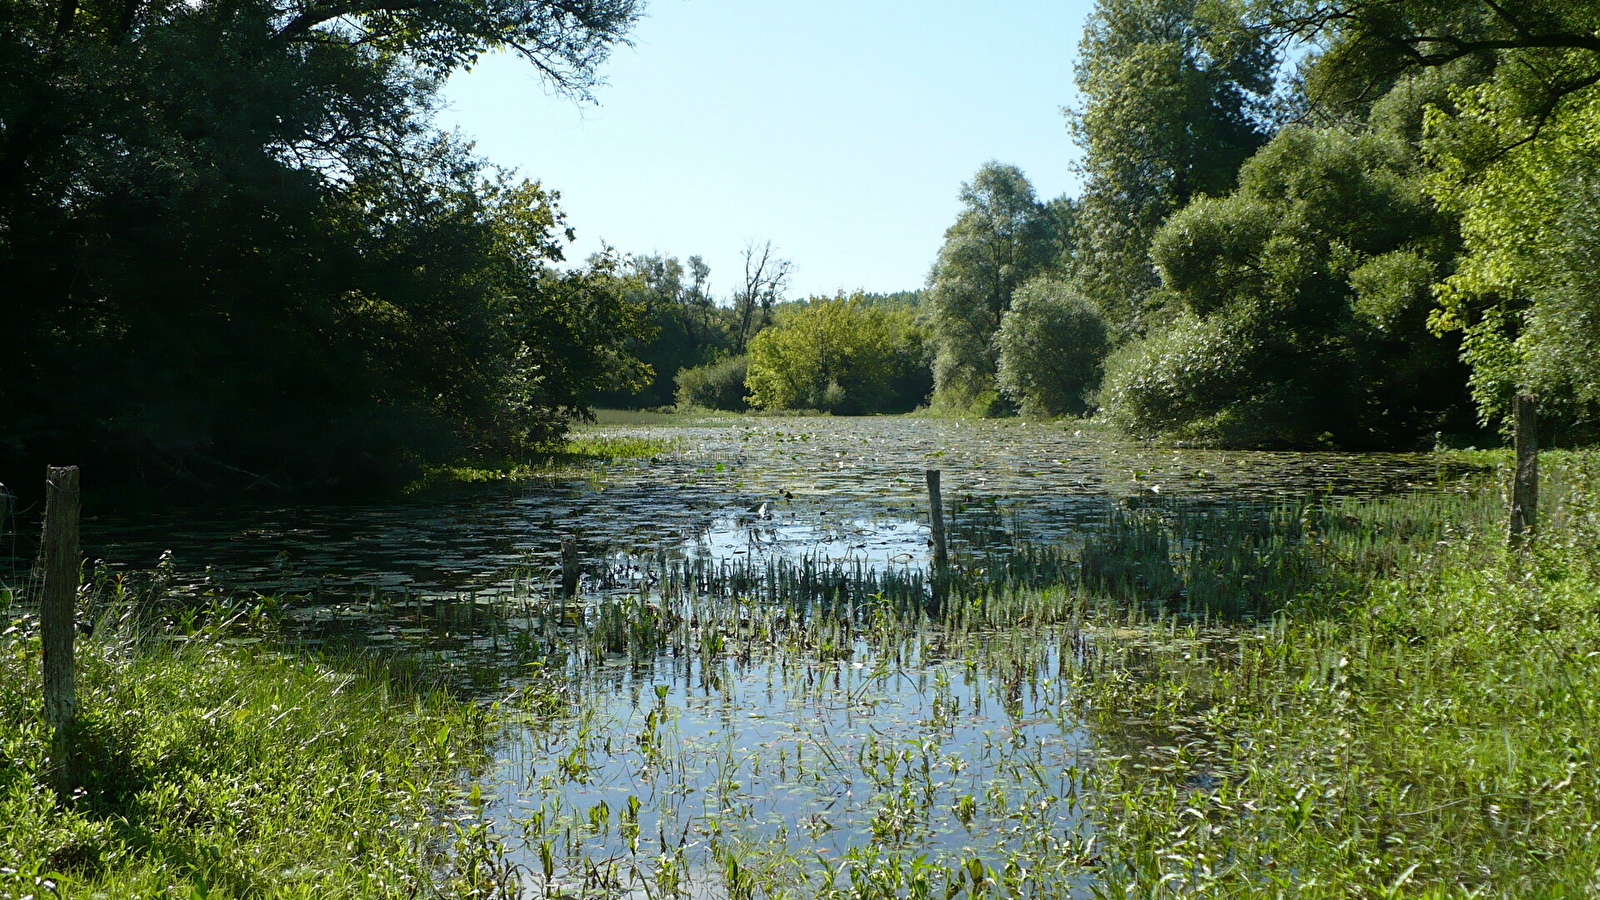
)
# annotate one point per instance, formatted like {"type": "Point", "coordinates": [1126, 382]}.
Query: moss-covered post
{"type": "Point", "coordinates": [59, 555]}
{"type": "Point", "coordinates": [1525, 480]}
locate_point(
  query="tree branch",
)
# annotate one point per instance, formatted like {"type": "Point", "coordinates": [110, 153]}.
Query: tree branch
{"type": "Point", "coordinates": [301, 24]}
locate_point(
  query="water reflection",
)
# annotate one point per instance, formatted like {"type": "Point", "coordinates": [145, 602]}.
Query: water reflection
{"type": "Point", "coordinates": [842, 488]}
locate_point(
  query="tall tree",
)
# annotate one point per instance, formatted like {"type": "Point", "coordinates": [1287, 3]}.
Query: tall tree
{"type": "Point", "coordinates": [1002, 237]}
{"type": "Point", "coordinates": [230, 237]}
{"type": "Point", "coordinates": [1303, 302]}
{"type": "Point", "coordinates": [684, 326]}
{"type": "Point", "coordinates": [1173, 96]}
{"type": "Point", "coordinates": [837, 354]}
{"type": "Point", "coordinates": [1051, 345]}
{"type": "Point", "coordinates": [1513, 154]}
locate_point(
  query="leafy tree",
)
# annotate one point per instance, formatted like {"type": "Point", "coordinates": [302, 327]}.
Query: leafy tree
{"type": "Point", "coordinates": [839, 355]}
{"type": "Point", "coordinates": [1527, 293]}
{"type": "Point", "coordinates": [1001, 239]}
{"type": "Point", "coordinates": [1051, 345]}
{"type": "Point", "coordinates": [684, 327]}
{"type": "Point", "coordinates": [231, 240]}
{"type": "Point", "coordinates": [1512, 155]}
{"type": "Point", "coordinates": [1174, 93]}
{"type": "Point", "coordinates": [1303, 300]}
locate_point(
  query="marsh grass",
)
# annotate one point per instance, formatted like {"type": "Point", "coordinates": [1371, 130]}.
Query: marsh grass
{"type": "Point", "coordinates": [1299, 698]}
{"type": "Point", "coordinates": [1431, 733]}
{"type": "Point", "coordinates": [217, 766]}
{"type": "Point", "coordinates": [1320, 698]}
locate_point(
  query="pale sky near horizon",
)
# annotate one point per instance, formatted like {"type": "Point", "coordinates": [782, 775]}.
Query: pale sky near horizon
{"type": "Point", "coordinates": [840, 131]}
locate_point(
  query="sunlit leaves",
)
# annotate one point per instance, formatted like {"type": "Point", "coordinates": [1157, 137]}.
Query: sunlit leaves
{"type": "Point", "coordinates": [1003, 237]}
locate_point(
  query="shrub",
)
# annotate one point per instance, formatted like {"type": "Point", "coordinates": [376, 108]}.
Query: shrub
{"type": "Point", "coordinates": [1051, 344]}
{"type": "Point", "coordinates": [715, 385]}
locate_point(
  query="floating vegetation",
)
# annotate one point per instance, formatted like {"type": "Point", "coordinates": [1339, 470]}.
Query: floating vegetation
{"type": "Point", "coordinates": [761, 687]}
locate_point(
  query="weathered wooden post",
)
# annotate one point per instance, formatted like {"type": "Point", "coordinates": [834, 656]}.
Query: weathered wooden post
{"type": "Point", "coordinates": [1525, 480]}
{"type": "Point", "coordinates": [59, 553]}
{"type": "Point", "coordinates": [941, 557]}
{"type": "Point", "coordinates": [569, 566]}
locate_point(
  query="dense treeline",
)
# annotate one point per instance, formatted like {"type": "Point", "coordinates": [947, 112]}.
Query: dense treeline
{"type": "Point", "coordinates": [1384, 241]}
{"type": "Point", "coordinates": [851, 355]}
{"type": "Point", "coordinates": [234, 251]}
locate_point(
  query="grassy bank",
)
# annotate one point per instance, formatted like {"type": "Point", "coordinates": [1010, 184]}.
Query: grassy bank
{"type": "Point", "coordinates": [1433, 733]}
{"type": "Point", "coordinates": [578, 449]}
{"type": "Point", "coordinates": [1196, 697]}
{"type": "Point", "coordinates": [218, 769]}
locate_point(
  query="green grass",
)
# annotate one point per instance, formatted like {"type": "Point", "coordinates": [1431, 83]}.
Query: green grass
{"type": "Point", "coordinates": [1341, 699]}
{"type": "Point", "coordinates": [1434, 733]}
{"type": "Point", "coordinates": [229, 770]}
{"type": "Point", "coordinates": [578, 449]}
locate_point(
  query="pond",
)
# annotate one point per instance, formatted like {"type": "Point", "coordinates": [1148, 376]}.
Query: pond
{"type": "Point", "coordinates": [848, 489]}
{"type": "Point", "coordinates": [730, 701]}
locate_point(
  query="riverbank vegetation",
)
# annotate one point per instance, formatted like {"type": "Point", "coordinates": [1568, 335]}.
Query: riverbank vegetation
{"type": "Point", "coordinates": [1291, 234]}
{"type": "Point", "coordinates": [237, 254]}
{"type": "Point", "coordinates": [1372, 251]}
{"type": "Point", "coordinates": [1425, 734]}
{"type": "Point", "coordinates": [217, 765]}
{"type": "Point", "coordinates": [1330, 698]}
{"type": "Point", "coordinates": [1191, 693]}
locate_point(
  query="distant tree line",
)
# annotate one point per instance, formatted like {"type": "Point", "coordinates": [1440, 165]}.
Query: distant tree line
{"type": "Point", "coordinates": [856, 354]}
{"type": "Point", "coordinates": [235, 252]}
{"type": "Point", "coordinates": [1303, 223]}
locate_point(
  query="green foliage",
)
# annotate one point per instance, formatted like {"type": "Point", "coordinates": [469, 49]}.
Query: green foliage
{"type": "Point", "coordinates": [1173, 95]}
{"type": "Point", "coordinates": [1527, 293]}
{"type": "Point", "coordinates": [269, 268]}
{"type": "Point", "coordinates": [1425, 734]}
{"type": "Point", "coordinates": [683, 326]}
{"type": "Point", "coordinates": [1051, 345]}
{"type": "Point", "coordinates": [715, 385]}
{"type": "Point", "coordinates": [1304, 298]}
{"type": "Point", "coordinates": [839, 355]}
{"type": "Point", "coordinates": [229, 771]}
{"type": "Point", "coordinates": [1002, 238]}
{"type": "Point", "coordinates": [1504, 99]}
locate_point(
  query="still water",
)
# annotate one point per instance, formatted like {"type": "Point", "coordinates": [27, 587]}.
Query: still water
{"type": "Point", "coordinates": [836, 487]}
{"type": "Point", "coordinates": [746, 749]}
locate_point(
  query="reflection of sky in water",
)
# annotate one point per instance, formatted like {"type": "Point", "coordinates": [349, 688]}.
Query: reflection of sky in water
{"type": "Point", "coordinates": [813, 757]}
{"type": "Point", "coordinates": [784, 534]}
{"type": "Point", "coordinates": [777, 748]}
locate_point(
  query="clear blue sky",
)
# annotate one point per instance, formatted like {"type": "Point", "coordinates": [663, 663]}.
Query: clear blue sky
{"type": "Point", "coordinates": [840, 130]}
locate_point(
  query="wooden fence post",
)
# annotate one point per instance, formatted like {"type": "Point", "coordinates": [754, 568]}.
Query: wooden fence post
{"type": "Point", "coordinates": [936, 521]}
{"type": "Point", "coordinates": [569, 566]}
{"type": "Point", "coordinates": [1525, 480]}
{"type": "Point", "coordinates": [59, 552]}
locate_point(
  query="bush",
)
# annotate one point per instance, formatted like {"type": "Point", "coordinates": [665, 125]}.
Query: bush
{"type": "Point", "coordinates": [715, 385]}
{"type": "Point", "coordinates": [839, 355]}
{"type": "Point", "coordinates": [1197, 379]}
{"type": "Point", "coordinates": [1051, 344]}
